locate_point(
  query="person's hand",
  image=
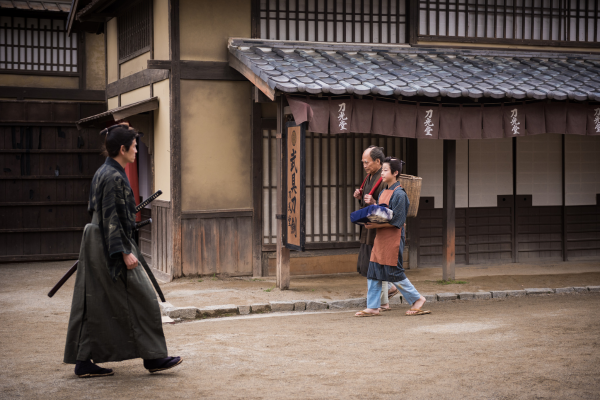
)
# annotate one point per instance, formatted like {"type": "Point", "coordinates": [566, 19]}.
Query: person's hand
{"type": "Point", "coordinates": [357, 194]}
{"type": "Point", "coordinates": [369, 200]}
{"type": "Point", "coordinates": [370, 225]}
{"type": "Point", "coordinates": [130, 261]}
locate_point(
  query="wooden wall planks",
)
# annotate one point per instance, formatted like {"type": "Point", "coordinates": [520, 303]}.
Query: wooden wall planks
{"type": "Point", "coordinates": [162, 257]}
{"type": "Point", "coordinates": [217, 246]}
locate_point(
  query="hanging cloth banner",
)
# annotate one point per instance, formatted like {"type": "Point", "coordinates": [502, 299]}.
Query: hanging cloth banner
{"type": "Point", "coordinates": [428, 121]}
{"type": "Point", "coordinates": [556, 117]}
{"type": "Point", "coordinates": [340, 115]}
{"type": "Point", "coordinates": [514, 120]}
{"type": "Point", "coordinates": [576, 119]}
{"type": "Point", "coordinates": [436, 121]}
{"type": "Point", "coordinates": [493, 128]}
{"type": "Point", "coordinates": [471, 122]}
{"type": "Point", "coordinates": [593, 122]}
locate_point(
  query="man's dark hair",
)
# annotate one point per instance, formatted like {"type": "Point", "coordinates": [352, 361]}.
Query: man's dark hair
{"type": "Point", "coordinates": [376, 153]}
{"type": "Point", "coordinates": [117, 136]}
{"type": "Point", "coordinates": [395, 165]}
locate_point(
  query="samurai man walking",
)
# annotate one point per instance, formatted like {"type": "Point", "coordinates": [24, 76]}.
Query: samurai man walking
{"type": "Point", "coordinates": [114, 313]}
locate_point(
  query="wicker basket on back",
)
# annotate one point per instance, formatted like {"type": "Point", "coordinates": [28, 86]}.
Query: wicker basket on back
{"type": "Point", "coordinates": [412, 187]}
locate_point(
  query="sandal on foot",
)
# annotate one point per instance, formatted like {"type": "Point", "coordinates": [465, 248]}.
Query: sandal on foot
{"type": "Point", "coordinates": [161, 364]}
{"type": "Point", "coordinates": [87, 369]}
{"type": "Point", "coordinates": [365, 314]}
{"type": "Point", "coordinates": [390, 295]}
{"type": "Point", "coordinates": [417, 312]}
{"type": "Point", "coordinates": [385, 309]}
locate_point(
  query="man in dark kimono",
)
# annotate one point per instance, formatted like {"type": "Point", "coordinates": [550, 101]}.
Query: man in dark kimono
{"type": "Point", "coordinates": [372, 159]}
{"type": "Point", "coordinates": [114, 313]}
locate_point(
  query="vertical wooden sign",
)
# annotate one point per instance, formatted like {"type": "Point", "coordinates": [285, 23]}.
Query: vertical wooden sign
{"type": "Point", "coordinates": [294, 236]}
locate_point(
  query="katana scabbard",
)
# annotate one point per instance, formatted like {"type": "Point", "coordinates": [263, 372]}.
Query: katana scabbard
{"type": "Point", "coordinates": [62, 280]}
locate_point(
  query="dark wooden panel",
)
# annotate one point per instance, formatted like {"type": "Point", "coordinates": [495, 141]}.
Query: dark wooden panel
{"type": "Point", "coordinates": [583, 231]}
{"type": "Point", "coordinates": [42, 214]}
{"type": "Point", "coordinates": [539, 231]}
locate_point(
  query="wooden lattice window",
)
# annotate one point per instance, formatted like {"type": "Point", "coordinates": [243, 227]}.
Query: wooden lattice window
{"type": "Point", "coordinates": [37, 45]}
{"type": "Point", "coordinates": [548, 22]}
{"type": "Point", "coordinates": [354, 21]}
{"type": "Point", "coordinates": [333, 172]}
{"type": "Point", "coordinates": [135, 31]}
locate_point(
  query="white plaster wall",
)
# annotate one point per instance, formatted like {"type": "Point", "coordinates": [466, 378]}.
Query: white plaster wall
{"type": "Point", "coordinates": [539, 168]}
{"type": "Point", "coordinates": [430, 168]}
{"type": "Point", "coordinates": [462, 174]}
{"type": "Point", "coordinates": [162, 141]}
{"type": "Point", "coordinates": [490, 165]}
{"type": "Point", "coordinates": [582, 169]}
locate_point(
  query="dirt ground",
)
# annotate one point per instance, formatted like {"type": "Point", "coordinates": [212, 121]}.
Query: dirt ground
{"type": "Point", "coordinates": [529, 348]}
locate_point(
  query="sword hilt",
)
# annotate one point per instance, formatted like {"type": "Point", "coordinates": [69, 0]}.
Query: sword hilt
{"type": "Point", "coordinates": [142, 224]}
{"type": "Point", "coordinates": [150, 199]}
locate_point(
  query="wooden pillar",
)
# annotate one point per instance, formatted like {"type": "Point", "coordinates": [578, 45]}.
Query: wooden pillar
{"type": "Point", "coordinates": [175, 138]}
{"type": "Point", "coordinates": [564, 204]}
{"type": "Point", "coordinates": [283, 253]}
{"type": "Point", "coordinates": [257, 189]}
{"type": "Point", "coordinates": [449, 211]}
{"type": "Point", "coordinates": [412, 224]}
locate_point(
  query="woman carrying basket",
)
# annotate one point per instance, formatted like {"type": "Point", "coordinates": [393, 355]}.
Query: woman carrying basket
{"type": "Point", "coordinates": [386, 257]}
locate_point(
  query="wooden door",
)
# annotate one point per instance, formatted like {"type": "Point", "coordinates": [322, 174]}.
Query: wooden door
{"type": "Point", "coordinates": [44, 188]}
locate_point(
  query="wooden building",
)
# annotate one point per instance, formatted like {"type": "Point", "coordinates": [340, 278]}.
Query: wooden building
{"type": "Point", "coordinates": [48, 81]}
{"type": "Point", "coordinates": [213, 83]}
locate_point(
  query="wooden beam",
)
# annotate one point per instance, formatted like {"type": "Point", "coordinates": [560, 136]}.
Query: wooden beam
{"type": "Point", "coordinates": [159, 64]}
{"type": "Point", "coordinates": [449, 211]}
{"type": "Point", "coordinates": [412, 224]}
{"type": "Point", "coordinates": [515, 242]}
{"type": "Point", "coordinates": [412, 22]}
{"type": "Point", "coordinates": [209, 70]}
{"type": "Point", "coordinates": [257, 191]}
{"type": "Point", "coordinates": [136, 81]}
{"type": "Point", "coordinates": [21, 93]}
{"type": "Point", "coordinates": [251, 76]}
{"type": "Point", "coordinates": [175, 139]}
{"type": "Point", "coordinates": [283, 253]}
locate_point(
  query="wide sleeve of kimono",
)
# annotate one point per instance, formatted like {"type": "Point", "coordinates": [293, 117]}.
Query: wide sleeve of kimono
{"type": "Point", "coordinates": [398, 204]}
{"type": "Point", "coordinates": [115, 218]}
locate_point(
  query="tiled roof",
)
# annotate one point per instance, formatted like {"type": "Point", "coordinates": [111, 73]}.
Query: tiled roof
{"type": "Point", "coordinates": [339, 68]}
{"type": "Point", "coordinates": [56, 6]}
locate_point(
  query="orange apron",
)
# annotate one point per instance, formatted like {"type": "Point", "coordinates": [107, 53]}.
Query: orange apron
{"type": "Point", "coordinates": [387, 242]}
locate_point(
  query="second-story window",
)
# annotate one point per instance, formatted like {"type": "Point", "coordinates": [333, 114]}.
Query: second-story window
{"type": "Point", "coordinates": [135, 30]}
{"type": "Point", "coordinates": [550, 22]}
{"type": "Point", "coordinates": [358, 21]}
{"type": "Point", "coordinates": [37, 46]}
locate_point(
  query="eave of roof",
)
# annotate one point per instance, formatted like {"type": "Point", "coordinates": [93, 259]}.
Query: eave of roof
{"type": "Point", "coordinates": [100, 120]}
{"type": "Point", "coordinates": [38, 5]}
{"type": "Point", "coordinates": [400, 70]}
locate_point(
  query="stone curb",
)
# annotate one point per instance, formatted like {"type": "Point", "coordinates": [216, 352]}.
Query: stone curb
{"type": "Point", "coordinates": [171, 313]}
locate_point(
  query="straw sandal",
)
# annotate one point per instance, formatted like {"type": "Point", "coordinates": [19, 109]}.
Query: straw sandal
{"type": "Point", "coordinates": [418, 312]}
{"type": "Point", "coordinates": [366, 314]}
